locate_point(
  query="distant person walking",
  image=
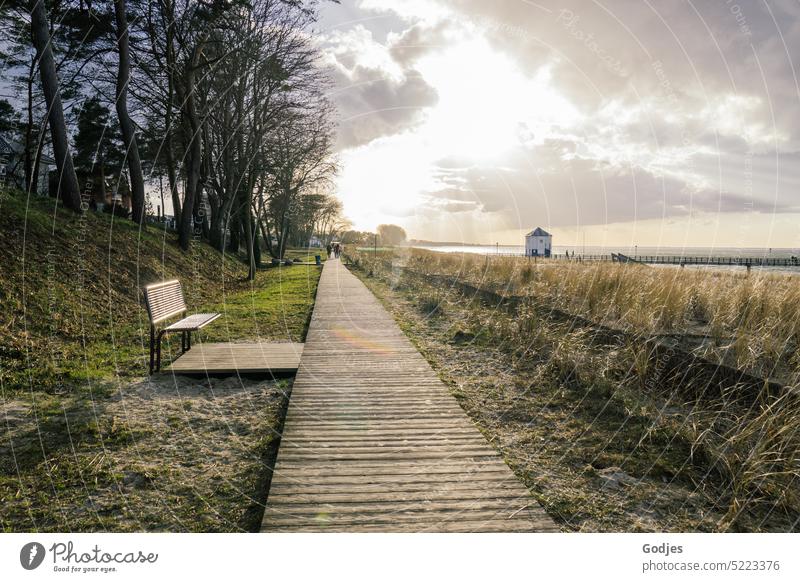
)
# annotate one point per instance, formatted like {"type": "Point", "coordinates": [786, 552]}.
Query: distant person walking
{"type": "Point", "coordinates": [329, 248]}
{"type": "Point", "coordinates": [336, 250]}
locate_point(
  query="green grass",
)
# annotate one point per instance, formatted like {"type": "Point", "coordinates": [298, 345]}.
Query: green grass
{"type": "Point", "coordinates": [88, 442]}
{"type": "Point", "coordinates": [275, 308]}
{"type": "Point", "coordinates": [70, 302]}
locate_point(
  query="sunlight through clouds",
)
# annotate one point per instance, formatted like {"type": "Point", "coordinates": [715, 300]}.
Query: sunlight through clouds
{"type": "Point", "coordinates": [466, 118]}
{"type": "Point", "coordinates": [486, 106]}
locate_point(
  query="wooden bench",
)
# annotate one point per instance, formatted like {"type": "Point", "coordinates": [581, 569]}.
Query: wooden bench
{"type": "Point", "coordinates": [165, 301]}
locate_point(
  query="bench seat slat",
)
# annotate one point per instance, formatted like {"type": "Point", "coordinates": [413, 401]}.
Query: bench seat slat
{"type": "Point", "coordinates": [193, 322]}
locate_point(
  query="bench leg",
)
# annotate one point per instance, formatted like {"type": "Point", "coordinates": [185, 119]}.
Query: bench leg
{"type": "Point", "coordinates": [158, 350]}
{"type": "Point", "coordinates": [152, 347]}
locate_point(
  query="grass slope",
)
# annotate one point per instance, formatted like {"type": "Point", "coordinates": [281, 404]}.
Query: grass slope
{"type": "Point", "coordinates": [88, 441]}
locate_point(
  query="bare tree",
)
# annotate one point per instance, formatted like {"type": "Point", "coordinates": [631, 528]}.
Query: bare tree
{"type": "Point", "coordinates": [391, 234]}
{"type": "Point", "coordinates": [299, 159]}
{"type": "Point", "coordinates": [40, 33]}
{"type": "Point", "coordinates": [127, 127]}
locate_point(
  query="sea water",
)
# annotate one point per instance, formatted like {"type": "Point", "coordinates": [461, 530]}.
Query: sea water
{"type": "Point", "coordinates": [753, 252]}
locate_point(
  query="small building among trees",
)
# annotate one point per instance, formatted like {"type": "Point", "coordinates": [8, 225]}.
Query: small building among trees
{"type": "Point", "coordinates": [538, 243]}
{"type": "Point", "coordinates": [12, 166]}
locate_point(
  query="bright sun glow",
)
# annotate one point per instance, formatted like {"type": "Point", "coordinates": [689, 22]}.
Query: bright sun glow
{"type": "Point", "coordinates": [486, 107]}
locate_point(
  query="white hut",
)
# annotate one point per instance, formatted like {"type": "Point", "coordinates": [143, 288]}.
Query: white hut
{"type": "Point", "coordinates": [538, 243]}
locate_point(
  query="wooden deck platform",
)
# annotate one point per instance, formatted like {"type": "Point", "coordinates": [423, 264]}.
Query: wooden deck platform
{"type": "Point", "coordinates": [231, 358]}
{"type": "Point", "coordinates": [373, 441]}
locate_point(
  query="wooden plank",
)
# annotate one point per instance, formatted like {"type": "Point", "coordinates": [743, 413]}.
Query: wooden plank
{"type": "Point", "coordinates": [503, 506]}
{"type": "Point", "coordinates": [354, 483]}
{"type": "Point", "coordinates": [368, 471]}
{"type": "Point", "coordinates": [445, 527]}
{"type": "Point", "coordinates": [373, 441]}
{"type": "Point", "coordinates": [349, 491]}
{"type": "Point", "coordinates": [231, 358]}
{"type": "Point", "coordinates": [502, 518]}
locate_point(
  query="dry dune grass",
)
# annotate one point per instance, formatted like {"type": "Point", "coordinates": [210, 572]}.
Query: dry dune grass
{"type": "Point", "coordinates": [750, 322]}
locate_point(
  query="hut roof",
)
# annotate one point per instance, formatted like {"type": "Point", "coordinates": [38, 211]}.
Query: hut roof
{"type": "Point", "coordinates": [538, 232]}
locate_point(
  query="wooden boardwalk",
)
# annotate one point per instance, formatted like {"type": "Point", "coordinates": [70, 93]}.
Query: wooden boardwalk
{"type": "Point", "coordinates": [230, 358]}
{"type": "Point", "coordinates": [373, 441]}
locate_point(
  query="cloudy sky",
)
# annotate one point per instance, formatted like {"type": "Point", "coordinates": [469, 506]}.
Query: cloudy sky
{"type": "Point", "coordinates": [622, 121]}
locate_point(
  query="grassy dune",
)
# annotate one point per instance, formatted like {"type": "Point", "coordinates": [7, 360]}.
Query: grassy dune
{"type": "Point", "coordinates": [88, 441]}
{"type": "Point", "coordinates": [749, 322]}
{"type": "Point", "coordinates": [609, 433]}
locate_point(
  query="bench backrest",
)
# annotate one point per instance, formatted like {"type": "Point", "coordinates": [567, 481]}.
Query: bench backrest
{"type": "Point", "coordinates": [164, 300]}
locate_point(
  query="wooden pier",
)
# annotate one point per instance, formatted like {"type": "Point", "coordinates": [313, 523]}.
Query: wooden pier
{"type": "Point", "coordinates": [373, 441]}
{"type": "Point", "coordinates": [708, 261]}
{"type": "Point", "coordinates": [678, 260]}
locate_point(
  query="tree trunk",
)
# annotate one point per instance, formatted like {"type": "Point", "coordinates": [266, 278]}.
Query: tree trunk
{"type": "Point", "coordinates": [170, 154]}
{"type": "Point", "coordinates": [37, 161]}
{"type": "Point", "coordinates": [256, 245]}
{"type": "Point", "coordinates": [40, 33]}
{"type": "Point", "coordinates": [161, 192]}
{"type": "Point", "coordinates": [232, 219]}
{"type": "Point", "coordinates": [266, 235]}
{"type": "Point", "coordinates": [195, 157]}
{"type": "Point", "coordinates": [217, 225]}
{"type": "Point", "coordinates": [29, 179]}
{"type": "Point", "coordinates": [172, 178]}
{"type": "Point", "coordinates": [126, 125]}
{"type": "Point", "coordinates": [282, 236]}
{"type": "Point", "coordinates": [247, 223]}
{"type": "Point", "coordinates": [99, 183]}
{"type": "Point", "coordinates": [201, 224]}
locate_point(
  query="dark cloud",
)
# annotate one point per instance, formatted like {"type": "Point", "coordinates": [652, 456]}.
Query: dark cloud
{"type": "Point", "coordinates": [460, 206]}
{"type": "Point", "coordinates": [586, 192]}
{"type": "Point", "coordinates": [417, 41]}
{"type": "Point", "coordinates": [375, 94]}
{"type": "Point", "coordinates": [371, 104]}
